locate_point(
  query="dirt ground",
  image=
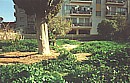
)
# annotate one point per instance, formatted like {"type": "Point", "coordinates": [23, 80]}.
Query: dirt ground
{"type": "Point", "coordinates": [33, 57]}
{"type": "Point", "coordinates": [25, 57]}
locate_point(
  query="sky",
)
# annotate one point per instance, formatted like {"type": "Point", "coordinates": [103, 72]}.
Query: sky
{"type": "Point", "coordinates": [7, 10]}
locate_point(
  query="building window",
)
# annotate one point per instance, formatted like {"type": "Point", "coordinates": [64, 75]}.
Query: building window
{"type": "Point", "coordinates": [98, 1]}
{"type": "Point", "coordinates": [87, 20]}
{"type": "Point", "coordinates": [84, 22]}
{"type": "Point", "coordinates": [21, 11]}
{"type": "Point", "coordinates": [67, 7]}
{"type": "Point", "coordinates": [74, 21]}
{"type": "Point", "coordinates": [21, 18]}
{"type": "Point", "coordinates": [21, 25]}
{"type": "Point", "coordinates": [84, 31]}
{"type": "Point", "coordinates": [81, 20]}
{"type": "Point", "coordinates": [98, 13]}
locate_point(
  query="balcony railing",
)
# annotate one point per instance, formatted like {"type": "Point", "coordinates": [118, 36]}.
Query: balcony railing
{"type": "Point", "coordinates": [79, 12]}
{"type": "Point", "coordinates": [111, 13]}
{"type": "Point", "coordinates": [82, 24]}
{"type": "Point", "coordinates": [81, 1]}
{"type": "Point", "coordinates": [115, 2]}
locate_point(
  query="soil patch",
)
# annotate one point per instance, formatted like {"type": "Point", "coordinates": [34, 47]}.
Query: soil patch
{"type": "Point", "coordinates": [82, 56]}
{"type": "Point", "coordinates": [25, 57]}
{"type": "Point", "coordinates": [69, 47]}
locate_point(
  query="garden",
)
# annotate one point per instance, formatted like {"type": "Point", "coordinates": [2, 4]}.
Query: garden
{"type": "Point", "coordinates": [109, 63]}
{"type": "Point", "coordinates": [106, 61]}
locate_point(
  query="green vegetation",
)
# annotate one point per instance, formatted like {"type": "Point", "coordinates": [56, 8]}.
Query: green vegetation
{"type": "Point", "coordinates": [107, 28]}
{"type": "Point", "coordinates": [28, 74]}
{"type": "Point", "coordinates": [67, 41]}
{"type": "Point", "coordinates": [20, 45]}
{"type": "Point", "coordinates": [110, 62]}
{"type": "Point", "coordinates": [115, 29]}
{"type": "Point", "coordinates": [58, 26]}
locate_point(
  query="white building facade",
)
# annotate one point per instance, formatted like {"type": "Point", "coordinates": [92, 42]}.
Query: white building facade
{"type": "Point", "coordinates": [85, 14]}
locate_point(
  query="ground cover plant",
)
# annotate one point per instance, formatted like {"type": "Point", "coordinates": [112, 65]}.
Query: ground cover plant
{"type": "Point", "coordinates": [19, 45]}
{"type": "Point", "coordinates": [110, 62]}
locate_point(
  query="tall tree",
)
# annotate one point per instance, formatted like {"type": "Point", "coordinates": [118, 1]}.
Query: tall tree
{"type": "Point", "coordinates": [43, 10]}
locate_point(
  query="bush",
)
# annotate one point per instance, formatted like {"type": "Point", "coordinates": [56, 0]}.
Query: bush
{"type": "Point", "coordinates": [107, 28]}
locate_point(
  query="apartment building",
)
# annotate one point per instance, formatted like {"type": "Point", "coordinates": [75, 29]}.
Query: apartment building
{"type": "Point", "coordinates": [25, 23]}
{"type": "Point", "coordinates": [85, 14]}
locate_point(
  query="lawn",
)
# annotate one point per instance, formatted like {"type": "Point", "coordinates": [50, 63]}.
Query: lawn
{"type": "Point", "coordinates": [108, 62]}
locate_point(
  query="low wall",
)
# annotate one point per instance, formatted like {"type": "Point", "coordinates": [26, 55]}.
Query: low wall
{"type": "Point", "coordinates": [29, 36]}
{"type": "Point", "coordinates": [81, 37]}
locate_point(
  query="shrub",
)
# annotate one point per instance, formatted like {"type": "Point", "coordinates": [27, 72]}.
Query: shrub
{"type": "Point", "coordinates": [107, 28]}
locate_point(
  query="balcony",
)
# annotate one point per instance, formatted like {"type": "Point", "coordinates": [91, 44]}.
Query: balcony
{"type": "Point", "coordinates": [81, 1]}
{"type": "Point", "coordinates": [115, 2]}
{"type": "Point", "coordinates": [113, 13]}
{"type": "Point", "coordinates": [80, 12]}
{"type": "Point", "coordinates": [82, 25]}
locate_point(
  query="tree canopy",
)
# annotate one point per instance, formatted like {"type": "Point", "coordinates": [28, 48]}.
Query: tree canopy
{"type": "Point", "coordinates": [41, 8]}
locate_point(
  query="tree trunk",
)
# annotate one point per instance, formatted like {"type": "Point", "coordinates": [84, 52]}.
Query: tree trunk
{"type": "Point", "coordinates": [42, 37]}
